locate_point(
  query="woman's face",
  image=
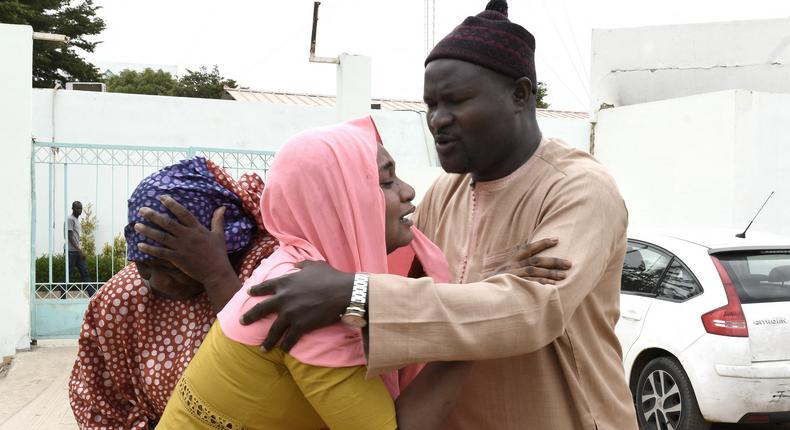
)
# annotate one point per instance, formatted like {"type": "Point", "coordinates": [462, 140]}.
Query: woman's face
{"type": "Point", "coordinates": [397, 198]}
{"type": "Point", "coordinates": [167, 281]}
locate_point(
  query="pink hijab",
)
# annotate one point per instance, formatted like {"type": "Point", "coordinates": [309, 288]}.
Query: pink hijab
{"type": "Point", "coordinates": [323, 201]}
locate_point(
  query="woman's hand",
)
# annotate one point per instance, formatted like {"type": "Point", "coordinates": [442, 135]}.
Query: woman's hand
{"type": "Point", "coordinates": [526, 264]}
{"type": "Point", "coordinates": [195, 250]}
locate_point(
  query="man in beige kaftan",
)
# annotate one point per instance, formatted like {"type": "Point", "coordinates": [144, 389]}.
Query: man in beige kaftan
{"type": "Point", "coordinates": [543, 356]}
{"type": "Point", "coordinates": [546, 356]}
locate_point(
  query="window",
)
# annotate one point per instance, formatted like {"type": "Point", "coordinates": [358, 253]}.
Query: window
{"type": "Point", "coordinates": [678, 283]}
{"type": "Point", "coordinates": [759, 276]}
{"type": "Point", "coordinates": [642, 268]}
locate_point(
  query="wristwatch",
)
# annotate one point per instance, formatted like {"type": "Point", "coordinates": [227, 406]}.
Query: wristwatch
{"type": "Point", "coordinates": [355, 312]}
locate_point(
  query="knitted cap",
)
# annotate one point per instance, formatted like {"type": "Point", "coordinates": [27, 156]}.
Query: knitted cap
{"type": "Point", "coordinates": [490, 40]}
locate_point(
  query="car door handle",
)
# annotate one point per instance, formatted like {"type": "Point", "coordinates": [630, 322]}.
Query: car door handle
{"type": "Point", "coordinates": [631, 314]}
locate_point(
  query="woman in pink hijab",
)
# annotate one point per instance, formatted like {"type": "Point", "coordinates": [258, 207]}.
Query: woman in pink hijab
{"type": "Point", "coordinates": [332, 194]}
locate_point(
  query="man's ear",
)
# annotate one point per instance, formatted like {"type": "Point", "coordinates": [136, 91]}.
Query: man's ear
{"type": "Point", "coordinates": [522, 92]}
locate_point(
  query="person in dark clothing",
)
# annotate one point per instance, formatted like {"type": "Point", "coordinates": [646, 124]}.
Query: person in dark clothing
{"type": "Point", "coordinates": [76, 256]}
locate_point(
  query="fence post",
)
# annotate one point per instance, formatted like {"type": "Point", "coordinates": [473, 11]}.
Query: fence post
{"type": "Point", "coordinates": [16, 130]}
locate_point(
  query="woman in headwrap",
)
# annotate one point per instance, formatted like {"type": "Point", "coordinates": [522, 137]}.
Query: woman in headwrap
{"type": "Point", "coordinates": [332, 194]}
{"type": "Point", "coordinates": [144, 325]}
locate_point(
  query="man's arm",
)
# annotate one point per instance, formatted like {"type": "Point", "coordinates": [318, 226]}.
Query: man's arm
{"type": "Point", "coordinates": [315, 296]}
{"type": "Point", "coordinates": [428, 400]}
{"type": "Point", "coordinates": [417, 320]}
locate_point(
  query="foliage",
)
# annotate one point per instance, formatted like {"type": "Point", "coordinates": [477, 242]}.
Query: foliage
{"type": "Point", "coordinates": [543, 91]}
{"type": "Point", "coordinates": [117, 251]}
{"type": "Point", "coordinates": [201, 83]}
{"type": "Point", "coordinates": [57, 62]}
{"type": "Point", "coordinates": [107, 264]}
{"type": "Point", "coordinates": [101, 267]}
{"type": "Point", "coordinates": [88, 225]}
{"type": "Point", "coordinates": [119, 244]}
{"type": "Point", "coordinates": [148, 82]}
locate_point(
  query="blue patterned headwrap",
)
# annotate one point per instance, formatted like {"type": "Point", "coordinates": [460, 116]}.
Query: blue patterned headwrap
{"type": "Point", "coordinates": [192, 185]}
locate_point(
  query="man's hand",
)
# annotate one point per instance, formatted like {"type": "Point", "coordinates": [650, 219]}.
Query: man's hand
{"type": "Point", "coordinates": [198, 252]}
{"type": "Point", "coordinates": [72, 236]}
{"type": "Point", "coordinates": [526, 264]}
{"type": "Point", "coordinates": [312, 298]}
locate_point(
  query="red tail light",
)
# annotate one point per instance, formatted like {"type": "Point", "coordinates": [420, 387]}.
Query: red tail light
{"type": "Point", "coordinates": [727, 320]}
{"type": "Point", "coordinates": [755, 418]}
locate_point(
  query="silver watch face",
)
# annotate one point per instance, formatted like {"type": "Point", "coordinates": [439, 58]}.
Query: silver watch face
{"type": "Point", "coordinates": [354, 320]}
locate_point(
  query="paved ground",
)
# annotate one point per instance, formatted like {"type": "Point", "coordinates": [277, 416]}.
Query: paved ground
{"type": "Point", "coordinates": [33, 394]}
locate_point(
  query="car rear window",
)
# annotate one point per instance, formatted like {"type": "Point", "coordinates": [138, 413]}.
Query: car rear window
{"type": "Point", "coordinates": [762, 276]}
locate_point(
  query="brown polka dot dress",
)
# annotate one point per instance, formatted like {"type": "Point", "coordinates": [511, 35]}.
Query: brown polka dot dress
{"type": "Point", "coordinates": [134, 345]}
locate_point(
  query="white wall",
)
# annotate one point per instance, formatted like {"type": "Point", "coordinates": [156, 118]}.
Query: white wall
{"type": "Point", "coordinates": [16, 48]}
{"type": "Point", "coordinates": [575, 132]}
{"type": "Point", "coordinates": [762, 160]}
{"type": "Point", "coordinates": [636, 65]}
{"type": "Point", "coordinates": [353, 86]}
{"type": "Point", "coordinates": [701, 161]}
{"type": "Point", "coordinates": [129, 119]}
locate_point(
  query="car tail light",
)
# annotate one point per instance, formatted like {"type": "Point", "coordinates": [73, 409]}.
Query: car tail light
{"type": "Point", "coordinates": [755, 419]}
{"type": "Point", "coordinates": [727, 320]}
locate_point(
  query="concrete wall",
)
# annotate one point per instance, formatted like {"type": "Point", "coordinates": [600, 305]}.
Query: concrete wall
{"type": "Point", "coordinates": [126, 119]}
{"type": "Point", "coordinates": [353, 86]}
{"type": "Point", "coordinates": [762, 159]}
{"type": "Point", "coordinates": [16, 47]}
{"type": "Point", "coordinates": [575, 132]}
{"type": "Point", "coordinates": [701, 161]}
{"type": "Point", "coordinates": [637, 65]}
{"type": "Point", "coordinates": [129, 119]}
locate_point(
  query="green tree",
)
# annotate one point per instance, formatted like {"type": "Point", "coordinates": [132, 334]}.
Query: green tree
{"type": "Point", "coordinates": [146, 82]}
{"type": "Point", "coordinates": [119, 244]}
{"type": "Point", "coordinates": [203, 83]}
{"type": "Point", "coordinates": [116, 253]}
{"type": "Point", "coordinates": [88, 225]}
{"type": "Point", "coordinates": [101, 267]}
{"type": "Point", "coordinates": [56, 62]}
{"type": "Point", "coordinates": [540, 102]}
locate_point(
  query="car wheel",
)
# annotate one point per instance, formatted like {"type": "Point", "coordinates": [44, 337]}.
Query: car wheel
{"type": "Point", "coordinates": [665, 399]}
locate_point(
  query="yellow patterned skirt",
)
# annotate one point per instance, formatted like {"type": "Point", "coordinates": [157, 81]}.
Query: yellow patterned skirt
{"type": "Point", "coordinates": [232, 386]}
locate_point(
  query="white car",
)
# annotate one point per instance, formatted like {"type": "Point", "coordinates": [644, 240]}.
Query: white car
{"type": "Point", "coordinates": [705, 328]}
